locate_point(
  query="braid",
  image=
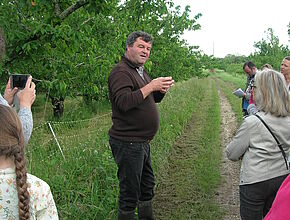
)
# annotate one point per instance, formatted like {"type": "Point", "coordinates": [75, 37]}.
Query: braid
{"type": "Point", "coordinates": [21, 182]}
{"type": "Point", "coordinates": [12, 147]}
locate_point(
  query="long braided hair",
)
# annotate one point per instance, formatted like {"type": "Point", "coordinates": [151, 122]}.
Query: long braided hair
{"type": "Point", "coordinates": [12, 146]}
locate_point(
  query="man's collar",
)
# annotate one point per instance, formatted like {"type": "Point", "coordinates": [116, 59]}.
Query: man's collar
{"type": "Point", "coordinates": [133, 65]}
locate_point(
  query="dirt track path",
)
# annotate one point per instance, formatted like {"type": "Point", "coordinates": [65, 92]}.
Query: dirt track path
{"type": "Point", "coordinates": [169, 201]}
{"type": "Point", "coordinates": [228, 193]}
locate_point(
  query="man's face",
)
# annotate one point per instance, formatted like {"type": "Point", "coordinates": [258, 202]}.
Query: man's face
{"type": "Point", "coordinates": [285, 69]}
{"type": "Point", "coordinates": [247, 70]}
{"type": "Point", "coordinates": [139, 52]}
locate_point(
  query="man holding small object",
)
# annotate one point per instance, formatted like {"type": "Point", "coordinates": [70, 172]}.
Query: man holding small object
{"type": "Point", "coordinates": [135, 122]}
{"type": "Point", "coordinates": [26, 97]}
{"type": "Point", "coordinates": [250, 69]}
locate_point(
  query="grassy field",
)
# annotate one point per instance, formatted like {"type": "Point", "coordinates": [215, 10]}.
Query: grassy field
{"type": "Point", "coordinates": [78, 164]}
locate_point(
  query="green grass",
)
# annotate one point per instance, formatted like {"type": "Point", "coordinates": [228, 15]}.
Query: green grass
{"type": "Point", "coordinates": [193, 168]}
{"type": "Point", "coordinates": [229, 83]}
{"type": "Point", "coordinates": [235, 79]}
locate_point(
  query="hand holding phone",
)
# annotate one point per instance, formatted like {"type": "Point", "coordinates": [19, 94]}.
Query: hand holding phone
{"type": "Point", "coordinates": [18, 80]}
{"type": "Point", "coordinates": [27, 95]}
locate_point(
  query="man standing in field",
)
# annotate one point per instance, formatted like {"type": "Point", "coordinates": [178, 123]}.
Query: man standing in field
{"type": "Point", "coordinates": [250, 69]}
{"type": "Point", "coordinates": [135, 122]}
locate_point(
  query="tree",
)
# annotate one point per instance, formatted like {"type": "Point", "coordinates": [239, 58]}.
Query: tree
{"type": "Point", "coordinates": [269, 51]}
{"type": "Point", "coordinates": [69, 46]}
{"type": "Point", "coordinates": [52, 40]}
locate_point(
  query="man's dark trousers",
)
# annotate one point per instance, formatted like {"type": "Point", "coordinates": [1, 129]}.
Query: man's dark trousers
{"type": "Point", "coordinates": [135, 174]}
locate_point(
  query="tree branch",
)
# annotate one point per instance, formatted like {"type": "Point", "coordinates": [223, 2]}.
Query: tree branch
{"type": "Point", "coordinates": [86, 21]}
{"type": "Point", "coordinates": [56, 7]}
{"type": "Point", "coordinates": [73, 8]}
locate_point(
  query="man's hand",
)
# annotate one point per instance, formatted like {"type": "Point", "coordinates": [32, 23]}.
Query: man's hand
{"type": "Point", "coordinates": [9, 93]}
{"type": "Point", "coordinates": [161, 84]}
{"type": "Point", "coordinates": [27, 95]}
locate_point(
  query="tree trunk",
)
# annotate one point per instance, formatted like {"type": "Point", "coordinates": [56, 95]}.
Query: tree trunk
{"type": "Point", "coordinates": [58, 106]}
{"type": "Point", "coordinates": [87, 99]}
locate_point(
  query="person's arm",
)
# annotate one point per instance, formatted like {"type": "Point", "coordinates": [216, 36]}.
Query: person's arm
{"type": "Point", "coordinates": [121, 91]}
{"type": "Point", "coordinates": [25, 116]}
{"type": "Point", "coordinates": [47, 208]}
{"type": "Point", "coordinates": [26, 98]}
{"type": "Point", "coordinates": [240, 143]}
{"type": "Point", "coordinates": [247, 95]}
{"type": "Point", "coordinates": [3, 101]}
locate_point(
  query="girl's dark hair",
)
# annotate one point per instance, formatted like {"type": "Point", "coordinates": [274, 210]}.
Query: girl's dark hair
{"type": "Point", "coordinates": [12, 146]}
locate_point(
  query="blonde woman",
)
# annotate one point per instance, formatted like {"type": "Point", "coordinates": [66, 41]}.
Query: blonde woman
{"type": "Point", "coordinates": [263, 167]}
{"type": "Point", "coordinates": [22, 196]}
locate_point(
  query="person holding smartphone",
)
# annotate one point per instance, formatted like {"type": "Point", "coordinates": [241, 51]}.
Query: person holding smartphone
{"type": "Point", "coordinates": [25, 96]}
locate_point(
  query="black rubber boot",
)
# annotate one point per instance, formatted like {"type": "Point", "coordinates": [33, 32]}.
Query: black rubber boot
{"type": "Point", "coordinates": [126, 215]}
{"type": "Point", "coordinates": [145, 210]}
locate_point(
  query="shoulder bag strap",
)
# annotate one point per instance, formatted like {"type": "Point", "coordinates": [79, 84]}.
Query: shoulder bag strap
{"type": "Point", "coordinates": [279, 145]}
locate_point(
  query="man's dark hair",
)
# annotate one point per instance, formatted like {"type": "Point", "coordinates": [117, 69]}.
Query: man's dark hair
{"type": "Point", "coordinates": [287, 58]}
{"type": "Point", "coordinates": [136, 34]}
{"type": "Point", "coordinates": [249, 64]}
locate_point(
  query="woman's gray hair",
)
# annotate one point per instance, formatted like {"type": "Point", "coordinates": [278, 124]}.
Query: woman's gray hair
{"type": "Point", "coordinates": [134, 35]}
{"type": "Point", "coordinates": [272, 95]}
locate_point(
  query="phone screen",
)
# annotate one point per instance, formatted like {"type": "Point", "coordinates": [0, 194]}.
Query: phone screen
{"type": "Point", "coordinates": [19, 81]}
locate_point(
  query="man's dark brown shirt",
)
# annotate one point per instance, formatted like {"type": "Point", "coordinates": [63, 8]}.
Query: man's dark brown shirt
{"type": "Point", "coordinates": [134, 118]}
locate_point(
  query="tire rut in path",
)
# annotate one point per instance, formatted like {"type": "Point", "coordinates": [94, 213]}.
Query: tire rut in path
{"type": "Point", "coordinates": [228, 192]}
{"type": "Point", "coordinates": [174, 192]}
{"type": "Point", "coordinates": [167, 200]}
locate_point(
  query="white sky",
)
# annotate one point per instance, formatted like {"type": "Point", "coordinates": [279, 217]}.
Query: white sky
{"type": "Point", "coordinates": [232, 26]}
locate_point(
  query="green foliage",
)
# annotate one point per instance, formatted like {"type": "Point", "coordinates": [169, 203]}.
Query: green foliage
{"type": "Point", "coordinates": [269, 51]}
{"type": "Point", "coordinates": [235, 69]}
{"type": "Point", "coordinates": [70, 46]}
{"type": "Point", "coordinates": [229, 63]}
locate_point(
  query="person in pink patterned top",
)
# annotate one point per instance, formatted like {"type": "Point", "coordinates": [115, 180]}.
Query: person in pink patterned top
{"type": "Point", "coordinates": [22, 195]}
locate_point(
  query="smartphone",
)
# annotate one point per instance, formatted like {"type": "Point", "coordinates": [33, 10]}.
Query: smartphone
{"type": "Point", "coordinates": [18, 80]}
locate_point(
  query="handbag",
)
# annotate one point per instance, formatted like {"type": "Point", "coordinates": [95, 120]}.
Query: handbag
{"type": "Point", "coordinates": [279, 145]}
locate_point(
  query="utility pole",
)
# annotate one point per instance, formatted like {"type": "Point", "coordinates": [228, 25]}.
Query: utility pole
{"type": "Point", "coordinates": [213, 48]}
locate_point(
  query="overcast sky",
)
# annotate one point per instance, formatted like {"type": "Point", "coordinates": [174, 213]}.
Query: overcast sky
{"type": "Point", "coordinates": [232, 26]}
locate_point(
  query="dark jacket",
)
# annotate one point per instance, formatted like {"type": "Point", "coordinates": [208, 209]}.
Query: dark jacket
{"type": "Point", "coordinates": [134, 118]}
